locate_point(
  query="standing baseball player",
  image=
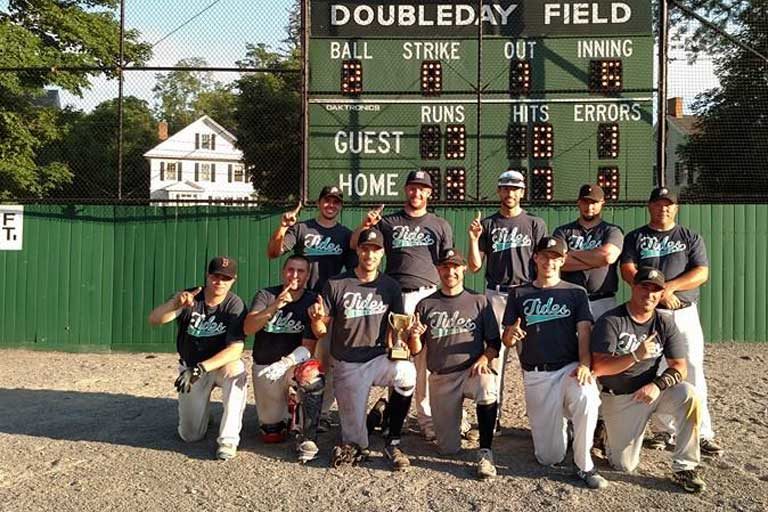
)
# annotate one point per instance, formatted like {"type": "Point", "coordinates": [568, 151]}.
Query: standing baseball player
{"type": "Point", "coordinates": [506, 239]}
{"type": "Point", "coordinates": [552, 321]}
{"type": "Point", "coordinates": [628, 345]}
{"type": "Point", "coordinates": [413, 240]}
{"type": "Point", "coordinates": [460, 331]}
{"type": "Point", "coordinates": [356, 305]}
{"type": "Point", "coordinates": [325, 243]}
{"type": "Point", "coordinates": [282, 349]}
{"type": "Point", "coordinates": [594, 247]}
{"type": "Point", "coordinates": [209, 342]}
{"type": "Point", "coordinates": [681, 256]}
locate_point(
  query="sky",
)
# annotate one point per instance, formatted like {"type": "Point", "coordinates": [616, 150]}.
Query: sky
{"type": "Point", "coordinates": [222, 28]}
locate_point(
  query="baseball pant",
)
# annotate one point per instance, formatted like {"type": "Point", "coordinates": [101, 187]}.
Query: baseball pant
{"type": "Point", "coordinates": [687, 321]}
{"type": "Point", "coordinates": [498, 301]}
{"type": "Point", "coordinates": [421, 396]}
{"type": "Point", "coordinates": [323, 354]}
{"type": "Point", "coordinates": [194, 407]}
{"type": "Point", "coordinates": [625, 420]}
{"type": "Point", "coordinates": [271, 397]}
{"type": "Point", "coordinates": [446, 396]}
{"type": "Point", "coordinates": [551, 398]}
{"type": "Point", "coordinates": [353, 384]}
{"type": "Point", "coordinates": [600, 306]}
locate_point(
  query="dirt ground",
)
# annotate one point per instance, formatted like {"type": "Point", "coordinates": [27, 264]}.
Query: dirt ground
{"type": "Point", "coordinates": [96, 432]}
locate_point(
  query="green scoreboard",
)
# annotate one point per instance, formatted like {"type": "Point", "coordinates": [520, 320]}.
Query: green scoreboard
{"type": "Point", "coordinates": [561, 91]}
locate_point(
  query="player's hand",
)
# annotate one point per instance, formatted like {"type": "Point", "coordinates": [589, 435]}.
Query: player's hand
{"type": "Point", "coordinates": [187, 378]}
{"type": "Point", "coordinates": [417, 328]}
{"type": "Point", "coordinates": [514, 333]}
{"type": "Point", "coordinates": [669, 300]}
{"type": "Point", "coordinates": [185, 299]}
{"type": "Point", "coordinates": [276, 370]}
{"type": "Point", "coordinates": [480, 367]}
{"type": "Point", "coordinates": [290, 217]}
{"type": "Point", "coordinates": [648, 349]}
{"type": "Point", "coordinates": [476, 227]}
{"type": "Point", "coordinates": [647, 393]}
{"type": "Point", "coordinates": [583, 374]}
{"type": "Point", "coordinates": [285, 297]}
{"type": "Point", "coordinates": [317, 310]}
{"type": "Point", "coordinates": [373, 217]}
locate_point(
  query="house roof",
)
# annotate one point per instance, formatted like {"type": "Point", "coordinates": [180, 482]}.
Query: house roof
{"type": "Point", "coordinates": [685, 125]}
{"type": "Point", "coordinates": [170, 148]}
{"type": "Point", "coordinates": [182, 186]}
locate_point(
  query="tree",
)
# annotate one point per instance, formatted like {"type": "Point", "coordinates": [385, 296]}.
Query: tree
{"type": "Point", "coordinates": [729, 151]}
{"type": "Point", "coordinates": [50, 43]}
{"type": "Point", "coordinates": [696, 38]}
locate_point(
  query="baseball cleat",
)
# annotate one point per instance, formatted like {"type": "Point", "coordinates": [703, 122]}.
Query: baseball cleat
{"type": "Point", "coordinates": [689, 480]}
{"type": "Point", "coordinates": [397, 457]}
{"type": "Point", "coordinates": [711, 448]}
{"type": "Point", "coordinates": [658, 441]}
{"type": "Point", "coordinates": [485, 466]}
{"type": "Point", "coordinates": [226, 451]}
{"type": "Point", "coordinates": [592, 479]}
{"type": "Point", "coordinates": [308, 451]}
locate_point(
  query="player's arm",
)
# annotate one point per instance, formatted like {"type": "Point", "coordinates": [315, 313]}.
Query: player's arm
{"type": "Point", "coordinates": [261, 313]}
{"type": "Point", "coordinates": [168, 311]}
{"type": "Point", "coordinates": [688, 280]}
{"type": "Point", "coordinates": [371, 219]}
{"type": "Point", "coordinates": [674, 374]}
{"type": "Point", "coordinates": [319, 320]}
{"type": "Point", "coordinates": [228, 354]}
{"type": "Point", "coordinates": [628, 271]}
{"type": "Point", "coordinates": [417, 330]}
{"type": "Point", "coordinates": [275, 246]}
{"type": "Point", "coordinates": [604, 364]}
{"type": "Point", "coordinates": [595, 258]}
{"type": "Point", "coordinates": [475, 255]}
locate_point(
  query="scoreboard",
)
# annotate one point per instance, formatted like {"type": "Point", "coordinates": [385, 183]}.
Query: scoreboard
{"type": "Point", "coordinates": [561, 91]}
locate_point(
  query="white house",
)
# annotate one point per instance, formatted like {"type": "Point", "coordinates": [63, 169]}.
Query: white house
{"type": "Point", "coordinates": [198, 162]}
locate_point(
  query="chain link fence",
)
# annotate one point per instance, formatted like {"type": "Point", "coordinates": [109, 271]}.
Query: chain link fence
{"type": "Point", "coordinates": [136, 102]}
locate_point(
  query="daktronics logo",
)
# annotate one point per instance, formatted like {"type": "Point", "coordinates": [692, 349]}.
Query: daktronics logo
{"type": "Point", "coordinates": [406, 15]}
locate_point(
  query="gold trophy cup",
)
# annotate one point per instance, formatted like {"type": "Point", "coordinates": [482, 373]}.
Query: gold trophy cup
{"type": "Point", "coordinates": [400, 325]}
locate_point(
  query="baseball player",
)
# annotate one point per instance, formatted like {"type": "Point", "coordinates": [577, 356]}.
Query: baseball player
{"type": "Point", "coordinates": [459, 329]}
{"type": "Point", "coordinates": [209, 341]}
{"type": "Point", "coordinates": [628, 344]}
{"type": "Point", "coordinates": [414, 238]}
{"type": "Point", "coordinates": [552, 321]}
{"type": "Point", "coordinates": [356, 305]}
{"type": "Point", "coordinates": [506, 239]}
{"type": "Point", "coordinates": [325, 243]}
{"type": "Point", "coordinates": [594, 247]}
{"type": "Point", "coordinates": [681, 256]}
{"type": "Point", "coordinates": [282, 351]}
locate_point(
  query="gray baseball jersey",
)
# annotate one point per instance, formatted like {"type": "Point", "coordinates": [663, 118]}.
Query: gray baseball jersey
{"type": "Point", "coordinates": [618, 334]}
{"type": "Point", "coordinates": [674, 252]}
{"type": "Point", "coordinates": [597, 281]}
{"type": "Point", "coordinates": [327, 249]}
{"type": "Point", "coordinates": [508, 243]}
{"type": "Point", "coordinates": [285, 330]}
{"type": "Point", "coordinates": [413, 245]}
{"type": "Point", "coordinates": [205, 331]}
{"type": "Point", "coordinates": [359, 313]}
{"type": "Point", "coordinates": [458, 328]}
{"type": "Point", "coordinates": [549, 318]}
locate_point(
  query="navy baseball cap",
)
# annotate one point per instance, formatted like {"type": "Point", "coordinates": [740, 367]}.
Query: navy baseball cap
{"type": "Point", "coordinates": [451, 257]}
{"type": "Point", "coordinates": [593, 192]}
{"type": "Point", "coordinates": [419, 178]}
{"type": "Point", "coordinates": [650, 275]}
{"type": "Point", "coordinates": [223, 265]}
{"type": "Point", "coordinates": [333, 191]}
{"type": "Point", "coordinates": [662, 193]}
{"type": "Point", "coordinates": [371, 237]}
{"type": "Point", "coordinates": [552, 244]}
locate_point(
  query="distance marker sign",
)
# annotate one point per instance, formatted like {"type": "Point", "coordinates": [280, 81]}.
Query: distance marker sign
{"type": "Point", "coordinates": [561, 91]}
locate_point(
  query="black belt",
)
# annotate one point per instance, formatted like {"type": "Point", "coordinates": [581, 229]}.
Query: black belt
{"type": "Point", "coordinates": [500, 287]}
{"type": "Point", "coordinates": [601, 296]}
{"type": "Point", "coordinates": [546, 367]}
{"type": "Point", "coordinates": [617, 393]}
{"type": "Point", "coordinates": [420, 288]}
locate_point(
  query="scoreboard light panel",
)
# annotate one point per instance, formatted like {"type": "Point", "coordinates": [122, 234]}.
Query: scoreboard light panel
{"type": "Point", "coordinates": [520, 77]}
{"type": "Point", "coordinates": [517, 141]}
{"type": "Point", "coordinates": [605, 76]}
{"type": "Point", "coordinates": [434, 175]}
{"type": "Point", "coordinates": [543, 141]}
{"type": "Point", "coordinates": [351, 77]}
{"type": "Point", "coordinates": [608, 179]}
{"type": "Point", "coordinates": [543, 185]}
{"type": "Point", "coordinates": [455, 184]}
{"type": "Point", "coordinates": [608, 140]}
{"type": "Point", "coordinates": [455, 142]}
{"type": "Point", "coordinates": [429, 141]}
{"type": "Point", "coordinates": [431, 78]}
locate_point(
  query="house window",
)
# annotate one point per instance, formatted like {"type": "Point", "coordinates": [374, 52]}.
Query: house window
{"type": "Point", "coordinates": [206, 141]}
{"type": "Point", "coordinates": [205, 172]}
{"type": "Point", "coordinates": [170, 171]}
{"type": "Point", "coordinates": [239, 173]}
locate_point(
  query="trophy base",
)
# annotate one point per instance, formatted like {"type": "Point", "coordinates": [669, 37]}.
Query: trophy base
{"type": "Point", "coordinates": [399, 354]}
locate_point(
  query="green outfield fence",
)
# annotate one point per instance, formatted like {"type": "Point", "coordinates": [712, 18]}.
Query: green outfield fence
{"type": "Point", "coordinates": [88, 276]}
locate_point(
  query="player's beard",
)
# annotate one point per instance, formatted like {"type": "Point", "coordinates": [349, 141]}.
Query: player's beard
{"type": "Point", "coordinates": [588, 218]}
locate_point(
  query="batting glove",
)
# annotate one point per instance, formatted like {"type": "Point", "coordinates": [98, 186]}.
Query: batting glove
{"type": "Point", "coordinates": [188, 377]}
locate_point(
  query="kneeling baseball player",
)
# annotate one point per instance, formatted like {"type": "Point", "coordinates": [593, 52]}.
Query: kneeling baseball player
{"type": "Point", "coordinates": [462, 337]}
{"type": "Point", "coordinates": [287, 382]}
{"type": "Point", "coordinates": [628, 344]}
{"type": "Point", "coordinates": [209, 341]}
{"type": "Point", "coordinates": [357, 306]}
{"type": "Point", "coordinates": [552, 319]}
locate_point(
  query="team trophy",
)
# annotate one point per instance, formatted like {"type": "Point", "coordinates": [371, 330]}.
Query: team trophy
{"type": "Point", "coordinates": [400, 325]}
